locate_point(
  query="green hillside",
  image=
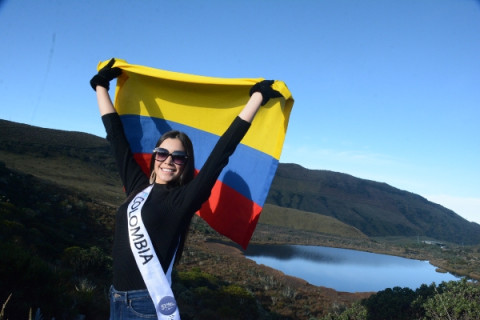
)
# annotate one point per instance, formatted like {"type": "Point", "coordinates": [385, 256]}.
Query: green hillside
{"type": "Point", "coordinates": [72, 159]}
{"type": "Point", "coordinates": [83, 162]}
{"type": "Point", "coordinates": [307, 221]}
{"type": "Point", "coordinates": [374, 208]}
{"type": "Point", "coordinates": [59, 192]}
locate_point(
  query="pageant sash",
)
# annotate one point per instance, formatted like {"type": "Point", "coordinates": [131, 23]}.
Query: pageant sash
{"type": "Point", "coordinates": [158, 285]}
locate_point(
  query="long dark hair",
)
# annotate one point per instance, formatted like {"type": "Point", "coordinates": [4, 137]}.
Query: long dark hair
{"type": "Point", "coordinates": [186, 176]}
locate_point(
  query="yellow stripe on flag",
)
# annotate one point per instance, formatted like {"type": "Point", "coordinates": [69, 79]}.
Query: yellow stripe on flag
{"type": "Point", "coordinates": [206, 103]}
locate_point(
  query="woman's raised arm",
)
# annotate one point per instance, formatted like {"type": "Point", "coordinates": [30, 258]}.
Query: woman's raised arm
{"type": "Point", "coordinates": [105, 104]}
{"type": "Point", "coordinates": [250, 110]}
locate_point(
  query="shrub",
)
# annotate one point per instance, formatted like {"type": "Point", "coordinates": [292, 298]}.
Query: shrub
{"type": "Point", "coordinates": [384, 304]}
{"type": "Point", "coordinates": [459, 300]}
{"type": "Point", "coordinates": [32, 282]}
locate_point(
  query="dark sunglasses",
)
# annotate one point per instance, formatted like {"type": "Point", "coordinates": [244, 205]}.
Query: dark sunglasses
{"type": "Point", "coordinates": [178, 157]}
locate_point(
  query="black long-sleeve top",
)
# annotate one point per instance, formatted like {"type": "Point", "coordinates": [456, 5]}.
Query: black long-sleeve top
{"type": "Point", "coordinates": [168, 210]}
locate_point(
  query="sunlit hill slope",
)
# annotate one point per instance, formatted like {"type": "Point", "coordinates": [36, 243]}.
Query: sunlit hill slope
{"type": "Point", "coordinates": [83, 162]}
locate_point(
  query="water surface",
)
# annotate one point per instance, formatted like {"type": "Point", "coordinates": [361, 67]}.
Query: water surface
{"type": "Point", "coordinates": [346, 270]}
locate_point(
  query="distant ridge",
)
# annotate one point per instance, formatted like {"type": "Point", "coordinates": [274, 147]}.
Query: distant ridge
{"type": "Point", "coordinates": [24, 133]}
{"type": "Point", "coordinates": [84, 162]}
{"type": "Point", "coordinates": [375, 208]}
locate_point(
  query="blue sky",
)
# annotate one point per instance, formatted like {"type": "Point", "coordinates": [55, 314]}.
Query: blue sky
{"type": "Point", "coordinates": [384, 90]}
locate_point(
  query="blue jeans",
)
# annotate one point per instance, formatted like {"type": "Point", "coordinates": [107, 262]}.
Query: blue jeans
{"type": "Point", "coordinates": [131, 305]}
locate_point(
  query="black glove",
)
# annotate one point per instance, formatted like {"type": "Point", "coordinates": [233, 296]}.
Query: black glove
{"type": "Point", "coordinates": [265, 88]}
{"type": "Point", "coordinates": [105, 75]}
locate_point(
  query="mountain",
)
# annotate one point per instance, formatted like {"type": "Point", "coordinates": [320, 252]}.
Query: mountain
{"type": "Point", "coordinates": [83, 161]}
{"type": "Point", "coordinates": [376, 209]}
{"type": "Point", "coordinates": [72, 159]}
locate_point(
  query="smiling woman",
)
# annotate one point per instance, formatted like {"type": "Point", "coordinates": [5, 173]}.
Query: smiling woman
{"type": "Point", "coordinates": [151, 226]}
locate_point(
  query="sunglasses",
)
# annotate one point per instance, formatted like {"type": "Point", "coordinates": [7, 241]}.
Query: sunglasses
{"type": "Point", "coordinates": [178, 157]}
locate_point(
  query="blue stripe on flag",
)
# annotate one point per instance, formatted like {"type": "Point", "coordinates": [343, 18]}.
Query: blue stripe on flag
{"type": "Point", "coordinates": [245, 171]}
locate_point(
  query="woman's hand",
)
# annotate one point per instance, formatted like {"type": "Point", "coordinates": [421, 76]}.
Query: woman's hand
{"type": "Point", "coordinates": [105, 75]}
{"type": "Point", "coordinates": [260, 94]}
{"type": "Point", "coordinates": [101, 83]}
{"type": "Point", "coordinates": [265, 88]}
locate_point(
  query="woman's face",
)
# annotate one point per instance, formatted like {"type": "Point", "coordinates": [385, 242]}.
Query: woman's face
{"type": "Point", "coordinates": [167, 170]}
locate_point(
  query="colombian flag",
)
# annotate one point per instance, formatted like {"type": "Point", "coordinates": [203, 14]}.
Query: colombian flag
{"type": "Point", "coordinates": [152, 101]}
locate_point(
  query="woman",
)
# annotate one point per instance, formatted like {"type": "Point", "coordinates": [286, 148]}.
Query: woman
{"type": "Point", "coordinates": [167, 201]}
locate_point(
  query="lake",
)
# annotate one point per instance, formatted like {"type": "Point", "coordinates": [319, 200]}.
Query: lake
{"type": "Point", "coordinates": [346, 270]}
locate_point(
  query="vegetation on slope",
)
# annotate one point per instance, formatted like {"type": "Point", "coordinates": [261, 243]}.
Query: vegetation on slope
{"type": "Point", "coordinates": [75, 160]}
{"type": "Point", "coordinates": [55, 247]}
{"type": "Point", "coordinates": [55, 239]}
{"type": "Point", "coordinates": [454, 300]}
{"type": "Point", "coordinates": [307, 221]}
{"type": "Point", "coordinates": [376, 209]}
{"type": "Point", "coordinates": [83, 162]}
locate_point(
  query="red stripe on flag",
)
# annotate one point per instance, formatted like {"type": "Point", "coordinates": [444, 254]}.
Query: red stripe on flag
{"type": "Point", "coordinates": [143, 160]}
{"type": "Point", "coordinates": [227, 211]}
{"type": "Point", "coordinates": [231, 214]}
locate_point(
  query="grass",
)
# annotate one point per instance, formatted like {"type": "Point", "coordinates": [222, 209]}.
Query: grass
{"type": "Point", "coordinates": [2, 312]}
{"type": "Point", "coordinates": [307, 221]}
{"type": "Point", "coordinates": [277, 293]}
{"type": "Point", "coordinates": [71, 173]}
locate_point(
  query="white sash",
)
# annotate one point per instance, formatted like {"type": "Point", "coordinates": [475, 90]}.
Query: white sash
{"type": "Point", "coordinates": [158, 285]}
